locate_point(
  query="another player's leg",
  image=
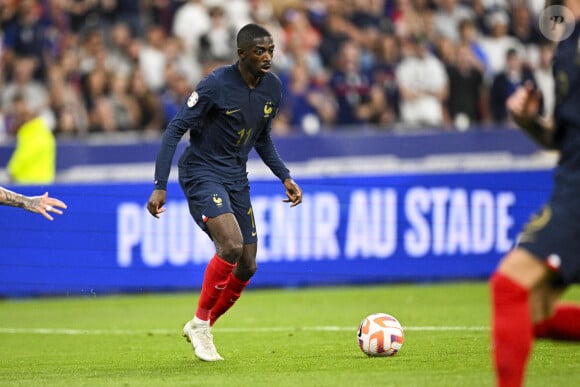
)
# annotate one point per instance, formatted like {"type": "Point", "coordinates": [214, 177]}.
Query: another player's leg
{"type": "Point", "coordinates": [512, 327]}
{"type": "Point", "coordinates": [227, 237]}
{"type": "Point", "coordinates": [237, 282]}
{"type": "Point", "coordinates": [562, 323]}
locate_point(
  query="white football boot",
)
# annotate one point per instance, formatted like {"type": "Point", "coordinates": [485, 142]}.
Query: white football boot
{"type": "Point", "coordinates": [198, 333]}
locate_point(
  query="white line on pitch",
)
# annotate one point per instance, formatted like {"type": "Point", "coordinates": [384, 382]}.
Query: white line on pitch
{"type": "Point", "coordinates": [73, 332]}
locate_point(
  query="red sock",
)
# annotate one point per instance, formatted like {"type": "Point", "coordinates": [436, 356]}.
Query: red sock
{"type": "Point", "coordinates": [511, 330]}
{"type": "Point", "coordinates": [228, 298]}
{"type": "Point", "coordinates": [563, 325]}
{"type": "Point", "coordinates": [214, 283]}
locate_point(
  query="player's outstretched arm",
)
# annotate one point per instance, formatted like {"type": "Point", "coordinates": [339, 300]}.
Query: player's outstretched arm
{"type": "Point", "coordinates": [38, 204]}
{"type": "Point", "coordinates": [156, 202]}
{"type": "Point", "coordinates": [293, 192]}
{"type": "Point", "coordinates": [524, 106]}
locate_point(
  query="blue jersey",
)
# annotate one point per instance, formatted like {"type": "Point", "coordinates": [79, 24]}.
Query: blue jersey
{"type": "Point", "coordinates": [226, 119]}
{"type": "Point", "coordinates": [567, 111]}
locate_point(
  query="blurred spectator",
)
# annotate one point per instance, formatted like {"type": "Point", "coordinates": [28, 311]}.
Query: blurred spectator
{"type": "Point", "coordinates": [217, 44]}
{"type": "Point", "coordinates": [499, 42]}
{"type": "Point", "coordinates": [524, 28]}
{"type": "Point", "coordinates": [545, 78]}
{"type": "Point", "coordinates": [467, 101]}
{"type": "Point", "coordinates": [34, 158]}
{"type": "Point", "coordinates": [92, 51]}
{"type": "Point", "coordinates": [469, 36]}
{"type": "Point", "coordinates": [123, 104]}
{"type": "Point", "coordinates": [152, 59]}
{"type": "Point", "coordinates": [406, 19]}
{"type": "Point", "coordinates": [336, 29]}
{"type": "Point", "coordinates": [449, 14]}
{"type": "Point", "coordinates": [297, 27]}
{"type": "Point", "coordinates": [26, 35]}
{"type": "Point", "coordinates": [505, 83]}
{"type": "Point", "coordinates": [384, 69]}
{"type": "Point", "coordinates": [483, 8]}
{"type": "Point", "coordinates": [71, 118]}
{"type": "Point", "coordinates": [129, 12]}
{"type": "Point", "coordinates": [119, 50]}
{"type": "Point", "coordinates": [82, 15]}
{"type": "Point", "coordinates": [444, 49]}
{"type": "Point", "coordinates": [238, 11]}
{"type": "Point", "coordinates": [95, 90]}
{"type": "Point", "coordinates": [151, 116]}
{"type": "Point", "coordinates": [176, 59]}
{"type": "Point", "coordinates": [24, 85]}
{"type": "Point", "coordinates": [305, 105]}
{"type": "Point", "coordinates": [190, 22]}
{"type": "Point", "coordinates": [359, 100]}
{"type": "Point", "coordinates": [302, 41]}
{"type": "Point", "coordinates": [423, 85]}
{"type": "Point", "coordinates": [161, 12]}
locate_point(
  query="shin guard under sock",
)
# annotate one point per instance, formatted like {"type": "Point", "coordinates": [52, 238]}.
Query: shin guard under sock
{"type": "Point", "coordinates": [230, 295]}
{"type": "Point", "coordinates": [214, 282]}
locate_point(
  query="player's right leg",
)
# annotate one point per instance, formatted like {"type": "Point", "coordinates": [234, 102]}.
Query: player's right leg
{"type": "Point", "coordinates": [210, 207]}
{"type": "Point", "coordinates": [512, 325]}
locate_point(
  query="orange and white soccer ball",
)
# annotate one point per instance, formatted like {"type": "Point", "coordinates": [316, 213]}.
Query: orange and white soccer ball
{"type": "Point", "coordinates": [380, 334]}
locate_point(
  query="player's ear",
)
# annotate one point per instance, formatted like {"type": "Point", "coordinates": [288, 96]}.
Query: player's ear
{"type": "Point", "coordinates": [241, 52]}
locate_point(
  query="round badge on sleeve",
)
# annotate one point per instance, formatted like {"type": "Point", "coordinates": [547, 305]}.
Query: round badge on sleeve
{"type": "Point", "coordinates": [192, 100]}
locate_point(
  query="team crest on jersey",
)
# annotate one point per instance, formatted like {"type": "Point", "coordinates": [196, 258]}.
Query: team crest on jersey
{"type": "Point", "coordinates": [268, 107]}
{"type": "Point", "coordinates": [217, 200]}
{"type": "Point", "coordinates": [192, 100]}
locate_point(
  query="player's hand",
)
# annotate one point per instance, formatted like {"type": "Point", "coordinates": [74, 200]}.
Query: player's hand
{"type": "Point", "coordinates": [44, 205]}
{"type": "Point", "coordinates": [293, 192]}
{"type": "Point", "coordinates": [524, 103]}
{"type": "Point", "coordinates": [156, 202]}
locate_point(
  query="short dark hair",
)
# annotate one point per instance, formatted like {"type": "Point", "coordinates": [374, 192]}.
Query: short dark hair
{"type": "Point", "coordinates": [249, 33]}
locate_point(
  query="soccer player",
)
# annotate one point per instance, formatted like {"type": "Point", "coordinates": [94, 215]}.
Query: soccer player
{"type": "Point", "coordinates": [528, 283]}
{"type": "Point", "coordinates": [228, 114]}
{"type": "Point", "coordinates": [37, 204]}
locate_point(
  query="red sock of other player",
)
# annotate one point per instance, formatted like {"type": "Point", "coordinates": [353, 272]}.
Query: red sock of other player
{"type": "Point", "coordinates": [512, 332]}
{"type": "Point", "coordinates": [214, 283]}
{"type": "Point", "coordinates": [228, 298]}
{"type": "Point", "coordinates": [563, 325]}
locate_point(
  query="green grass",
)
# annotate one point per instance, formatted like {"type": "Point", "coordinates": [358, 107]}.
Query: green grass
{"type": "Point", "coordinates": [270, 338]}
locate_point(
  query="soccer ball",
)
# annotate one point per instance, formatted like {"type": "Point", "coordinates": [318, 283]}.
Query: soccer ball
{"type": "Point", "coordinates": [380, 334]}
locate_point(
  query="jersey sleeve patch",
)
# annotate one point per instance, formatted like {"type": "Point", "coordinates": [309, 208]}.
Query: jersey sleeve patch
{"type": "Point", "coordinates": [192, 100]}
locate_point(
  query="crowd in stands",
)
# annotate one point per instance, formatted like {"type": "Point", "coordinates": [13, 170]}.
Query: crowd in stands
{"type": "Point", "coordinates": [115, 66]}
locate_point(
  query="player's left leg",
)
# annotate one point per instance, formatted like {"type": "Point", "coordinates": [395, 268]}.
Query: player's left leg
{"type": "Point", "coordinates": [512, 328]}
{"type": "Point", "coordinates": [238, 280]}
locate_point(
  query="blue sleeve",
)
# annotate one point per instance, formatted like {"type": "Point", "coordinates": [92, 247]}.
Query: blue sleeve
{"type": "Point", "coordinates": [191, 116]}
{"type": "Point", "coordinates": [269, 154]}
{"type": "Point", "coordinates": [266, 148]}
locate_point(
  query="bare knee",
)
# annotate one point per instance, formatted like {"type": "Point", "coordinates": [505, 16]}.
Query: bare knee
{"type": "Point", "coordinates": [523, 268]}
{"type": "Point", "coordinates": [230, 250]}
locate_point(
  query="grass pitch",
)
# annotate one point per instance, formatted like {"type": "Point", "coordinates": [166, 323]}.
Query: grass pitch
{"type": "Point", "coordinates": [301, 337]}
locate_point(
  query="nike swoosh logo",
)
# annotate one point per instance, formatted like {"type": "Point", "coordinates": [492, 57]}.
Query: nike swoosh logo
{"type": "Point", "coordinates": [253, 233]}
{"type": "Point", "coordinates": [229, 112]}
{"type": "Point", "coordinates": [220, 287]}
